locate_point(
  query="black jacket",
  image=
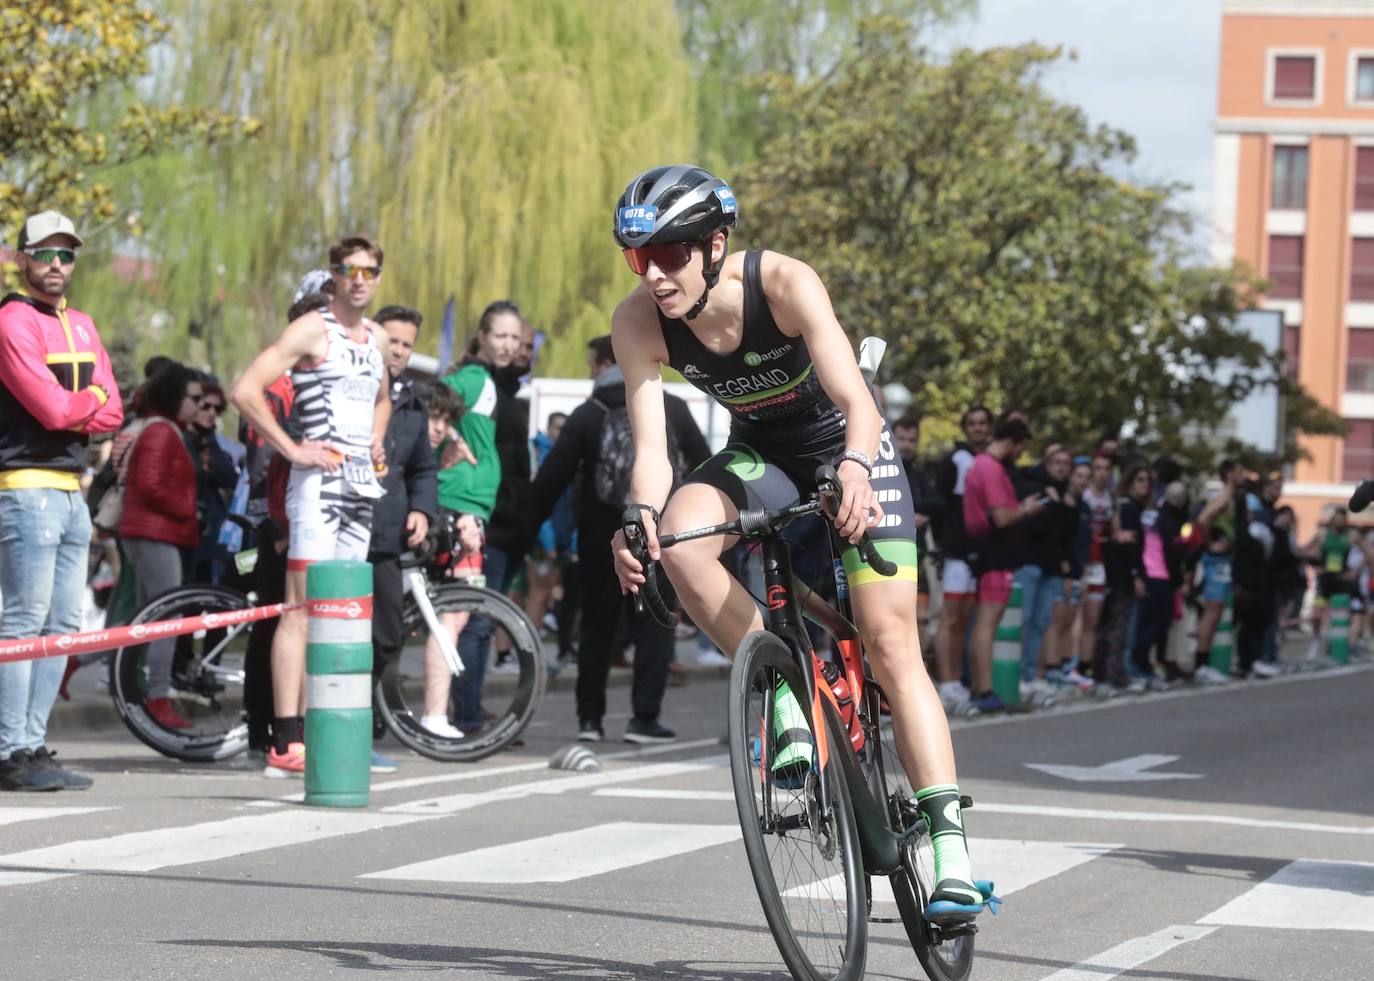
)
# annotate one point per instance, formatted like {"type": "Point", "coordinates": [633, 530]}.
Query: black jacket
{"type": "Point", "coordinates": [508, 528]}
{"type": "Point", "coordinates": [1125, 561]}
{"type": "Point", "coordinates": [947, 514]}
{"type": "Point", "coordinates": [410, 482]}
{"type": "Point", "coordinates": [579, 448]}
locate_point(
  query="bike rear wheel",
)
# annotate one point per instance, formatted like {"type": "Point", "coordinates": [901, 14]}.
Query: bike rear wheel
{"type": "Point", "coordinates": [207, 678]}
{"type": "Point", "coordinates": [806, 867]}
{"type": "Point", "coordinates": [510, 699]}
{"type": "Point", "coordinates": [944, 957]}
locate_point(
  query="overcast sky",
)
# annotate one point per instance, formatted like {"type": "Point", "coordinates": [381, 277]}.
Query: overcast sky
{"type": "Point", "coordinates": [1147, 68]}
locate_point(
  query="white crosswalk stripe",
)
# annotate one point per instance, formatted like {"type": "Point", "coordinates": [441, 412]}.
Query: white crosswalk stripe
{"type": "Point", "coordinates": [1013, 864]}
{"type": "Point", "coordinates": [13, 815]}
{"type": "Point", "coordinates": [1306, 895]}
{"type": "Point", "coordinates": [568, 856]}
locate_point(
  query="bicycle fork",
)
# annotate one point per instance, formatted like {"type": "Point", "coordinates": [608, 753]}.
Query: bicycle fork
{"type": "Point", "coordinates": [419, 591]}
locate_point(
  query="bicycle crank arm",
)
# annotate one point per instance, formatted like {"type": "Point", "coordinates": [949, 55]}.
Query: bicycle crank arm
{"type": "Point", "coordinates": [419, 590]}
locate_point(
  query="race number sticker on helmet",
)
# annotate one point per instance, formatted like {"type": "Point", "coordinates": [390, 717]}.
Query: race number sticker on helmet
{"type": "Point", "coordinates": [727, 200]}
{"type": "Point", "coordinates": [638, 219]}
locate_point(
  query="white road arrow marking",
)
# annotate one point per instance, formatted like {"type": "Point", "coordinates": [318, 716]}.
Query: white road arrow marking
{"type": "Point", "coordinates": [1131, 770]}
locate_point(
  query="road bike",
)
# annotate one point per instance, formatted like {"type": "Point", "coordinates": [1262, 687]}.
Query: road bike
{"type": "Point", "coordinates": [823, 801]}
{"type": "Point", "coordinates": [209, 665]}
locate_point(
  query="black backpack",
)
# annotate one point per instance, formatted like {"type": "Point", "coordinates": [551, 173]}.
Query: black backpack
{"type": "Point", "coordinates": [615, 460]}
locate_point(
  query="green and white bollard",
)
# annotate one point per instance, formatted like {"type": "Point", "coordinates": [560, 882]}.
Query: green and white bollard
{"type": "Point", "coordinates": [338, 665]}
{"type": "Point", "coordinates": [1222, 643]}
{"type": "Point", "coordinates": [1006, 653]}
{"type": "Point", "coordinates": [1339, 631]}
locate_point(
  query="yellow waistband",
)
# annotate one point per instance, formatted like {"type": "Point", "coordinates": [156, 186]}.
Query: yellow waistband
{"type": "Point", "coordinates": [62, 480]}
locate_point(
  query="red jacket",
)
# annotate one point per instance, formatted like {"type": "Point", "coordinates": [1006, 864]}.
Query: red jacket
{"type": "Point", "coordinates": [160, 488]}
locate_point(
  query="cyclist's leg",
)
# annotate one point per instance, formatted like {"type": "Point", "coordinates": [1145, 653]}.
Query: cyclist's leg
{"type": "Point", "coordinates": [885, 608]}
{"type": "Point", "coordinates": [736, 479]}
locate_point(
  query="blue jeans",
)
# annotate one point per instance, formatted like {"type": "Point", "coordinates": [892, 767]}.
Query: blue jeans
{"type": "Point", "coordinates": [45, 537]}
{"type": "Point", "coordinates": [1039, 590]}
{"type": "Point", "coordinates": [474, 645]}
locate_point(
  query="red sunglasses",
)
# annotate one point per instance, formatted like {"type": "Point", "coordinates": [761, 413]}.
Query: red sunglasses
{"type": "Point", "coordinates": [669, 258]}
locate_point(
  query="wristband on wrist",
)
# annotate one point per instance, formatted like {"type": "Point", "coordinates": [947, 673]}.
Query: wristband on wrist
{"type": "Point", "coordinates": [857, 457]}
{"type": "Point", "coordinates": [653, 511]}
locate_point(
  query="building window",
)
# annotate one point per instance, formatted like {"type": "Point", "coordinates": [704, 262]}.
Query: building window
{"type": "Point", "coordinates": [1292, 350]}
{"type": "Point", "coordinates": [1364, 79]}
{"type": "Point", "coordinates": [1358, 458]}
{"type": "Point", "coordinates": [1362, 269]}
{"type": "Point", "coordinates": [1285, 267]}
{"type": "Point", "coordinates": [1359, 361]}
{"type": "Point", "coordinates": [1364, 178]}
{"type": "Point", "coordinates": [1290, 177]}
{"type": "Point", "coordinates": [1295, 77]}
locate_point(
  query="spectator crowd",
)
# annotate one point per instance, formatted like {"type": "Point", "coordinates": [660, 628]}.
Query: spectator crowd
{"type": "Point", "coordinates": [1124, 566]}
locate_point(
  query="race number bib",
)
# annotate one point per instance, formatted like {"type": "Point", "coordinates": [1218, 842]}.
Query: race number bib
{"type": "Point", "coordinates": [361, 477]}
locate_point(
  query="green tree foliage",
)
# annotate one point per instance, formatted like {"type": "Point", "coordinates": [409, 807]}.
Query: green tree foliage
{"type": "Point", "coordinates": [67, 118]}
{"type": "Point", "coordinates": [957, 210]}
{"type": "Point", "coordinates": [733, 44]}
{"type": "Point", "coordinates": [482, 142]}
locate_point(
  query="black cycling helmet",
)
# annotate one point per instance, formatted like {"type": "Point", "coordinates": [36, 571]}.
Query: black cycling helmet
{"type": "Point", "coordinates": [677, 203]}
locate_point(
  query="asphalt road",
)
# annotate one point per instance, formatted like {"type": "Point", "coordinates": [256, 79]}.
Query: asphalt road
{"type": "Point", "coordinates": [1210, 836]}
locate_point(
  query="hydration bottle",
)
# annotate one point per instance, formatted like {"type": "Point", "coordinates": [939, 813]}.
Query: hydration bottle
{"type": "Point", "coordinates": [849, 712]}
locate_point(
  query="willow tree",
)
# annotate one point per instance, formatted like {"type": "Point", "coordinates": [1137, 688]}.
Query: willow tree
{"type": "Point", "coordinates": [483, 143]}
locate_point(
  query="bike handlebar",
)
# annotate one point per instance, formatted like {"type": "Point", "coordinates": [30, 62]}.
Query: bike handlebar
{"type": "Point", "coordinates": [751, 525]}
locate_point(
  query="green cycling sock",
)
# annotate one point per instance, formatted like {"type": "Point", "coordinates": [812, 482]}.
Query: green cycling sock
{"type": "Point", "coordinates": [953, 870]}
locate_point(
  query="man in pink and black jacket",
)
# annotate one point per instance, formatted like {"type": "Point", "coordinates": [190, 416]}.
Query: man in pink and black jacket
{"type": "Point", "coordinates": [56, 388]}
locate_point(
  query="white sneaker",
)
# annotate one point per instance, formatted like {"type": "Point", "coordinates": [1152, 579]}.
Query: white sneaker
{"type": "Point", "coordinates": [1137, 686]}
{"type": "Point", "coordinates": [509, 666]}
{"type": "Point", "coordinates": [712, 659]}
{"type": "Point", "coordinates": [440, 726]}
{"type": "Point", "coordinates": [953, 691]}
{"type": "Point", "coordinates": [1208, 675]}
{"type": "Point", "coordinates": [1263, 669]}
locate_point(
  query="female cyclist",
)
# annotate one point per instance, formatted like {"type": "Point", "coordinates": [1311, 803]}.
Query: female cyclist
{"type": "Point", "coordinates": [756, 332]}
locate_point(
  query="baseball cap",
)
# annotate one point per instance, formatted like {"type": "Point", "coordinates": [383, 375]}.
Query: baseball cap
{"type": "Point", "coordinates": [45, 223]}
{"type": "Point", "coordinates": [312, 282]}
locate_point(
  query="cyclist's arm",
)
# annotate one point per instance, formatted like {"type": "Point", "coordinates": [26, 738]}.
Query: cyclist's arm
{"type": "Point", "coordinates": [303, 338]}
{"type": "Point", "coordinates": [799, 299]}
{"type": "Point", "coordinates": [640, 352]}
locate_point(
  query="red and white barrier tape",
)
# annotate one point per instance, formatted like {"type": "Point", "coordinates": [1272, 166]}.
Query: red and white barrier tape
{"type": "Point", "coordinates": [57, 645]}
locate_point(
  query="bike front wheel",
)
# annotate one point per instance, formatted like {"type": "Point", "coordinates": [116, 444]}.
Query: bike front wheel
{"type": "Point", "coordinates": [806, 864]}
{"type": "Point", "coordinates": [509, 699]}
{"type": "Point", "coordinates": [207, 678]}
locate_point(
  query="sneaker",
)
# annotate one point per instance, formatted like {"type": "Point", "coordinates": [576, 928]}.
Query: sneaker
{"type": "Point", "coordinates": [1156, 683]}
{"type": "Point", "coordinates": [590, 731]}
{"type": "Point", "coordinates": [507, 665]}
{"type": "Point", "coordinates": [281, 766]}
{"type": "Point", "coordinates": [382, 764]}
{"type": "Point", "coordinates": [684, 631]}
{"type": "Point", "coordinates": [1208, 675]}
{"type": "Point", "coordinates": [712, 659]}
{"type": "Point", "coordinates": [20, 773]}
{"type": "Point", "coordinates": [1136, 686]}
{"type": "Point", "coordinates": [439, 725]}
{"type": "Point", "coordinates": [1102, 689]}
{"type": "Point", "coordinates": [953, 691]}
{"type": "Point", "coordinates": [550, 623]}
{"type": "Point", "coordinates": [1074, 681]}
{"type": "Point", "coordinates": [988, 702]}
{"type": "Point", "coordinates": [648, 732]}
{"type": "Point", "coordinates": [43, 758]}
{"type": "Point", "coordinates": [164, 714]}
{"type": "Point", "coordinates": [1263, 669]}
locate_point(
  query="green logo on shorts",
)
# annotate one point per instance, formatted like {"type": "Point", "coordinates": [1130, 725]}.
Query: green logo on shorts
{"type": "Point", "coordinates": [753, 359]}
{"type": "Point", "coordinates": [744, 462]}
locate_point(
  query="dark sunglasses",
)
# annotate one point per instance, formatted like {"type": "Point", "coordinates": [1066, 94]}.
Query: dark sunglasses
{"type": "Point", "coordinates": [217, 406]}
{"type": "Point", "coordinates": [46, 256]}
{"type": "Point", "coordinates": [369, 273]}
{"type": "Point", "coordinates": [669, 258]}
